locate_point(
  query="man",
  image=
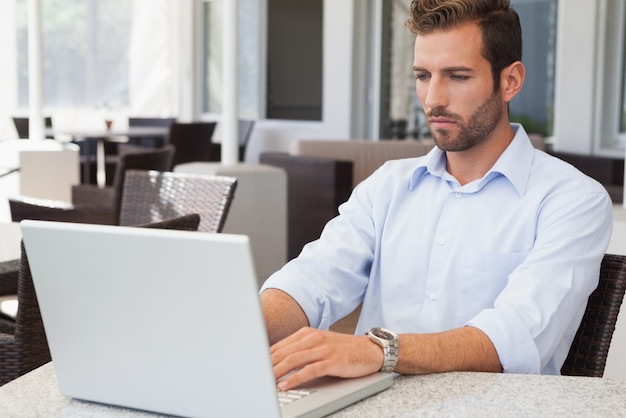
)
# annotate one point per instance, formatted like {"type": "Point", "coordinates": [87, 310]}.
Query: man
{"type": "Point", "coordinates": [479, 256]}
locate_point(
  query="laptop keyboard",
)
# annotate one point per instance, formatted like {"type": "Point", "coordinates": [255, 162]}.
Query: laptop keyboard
{"type": "Point", "coordinates": [289, 396]}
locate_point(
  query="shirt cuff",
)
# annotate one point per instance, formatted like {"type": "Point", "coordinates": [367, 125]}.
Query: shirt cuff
{"type": "Point", "coordinates": [314, 305]}
{"type": "Point", "coordinates": [515, 346]}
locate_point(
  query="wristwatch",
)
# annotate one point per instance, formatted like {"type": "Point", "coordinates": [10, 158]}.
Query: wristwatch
{"type": "Point", "coordinates": [388, 340]}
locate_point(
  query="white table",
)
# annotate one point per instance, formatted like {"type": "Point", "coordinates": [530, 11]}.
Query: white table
{"type": "Point", "coordinates": [10, 237]}
{"type": "Point", "coordinates": [447, 394]}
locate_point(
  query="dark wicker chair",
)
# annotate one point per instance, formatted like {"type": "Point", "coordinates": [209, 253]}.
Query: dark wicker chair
{"type": "Point", "coordinates": [149, 142]}
{"type": "Point", "coordinates": [23, 344]}
{"type": "Point", "coordinates": [192, 141]}
{"type": "Point", "coordinates": [150, 196]}
{"type": "Point", "coordinates": [47, 210]}
{"type": "Point", "coordinates": [589, 350]}
{"type": "Point", "coordinates": [26, 348]}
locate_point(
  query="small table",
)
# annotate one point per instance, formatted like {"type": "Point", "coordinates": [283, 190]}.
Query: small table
{"type": "Point", "coordinates": [445, 394]}
{"type": "Point", "coordinates": [10, 238]}
{"type": "Point", "coordinates": [97, 137]}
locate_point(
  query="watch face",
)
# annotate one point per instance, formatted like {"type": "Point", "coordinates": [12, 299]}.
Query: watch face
{"type": "Point", "coordinates": [381, 333]}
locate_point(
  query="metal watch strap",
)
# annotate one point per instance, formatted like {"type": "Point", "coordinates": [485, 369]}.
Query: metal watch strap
{"type": "Point", "coordinates": [390, 352]}
{"type": "Point", "coordinates": [388, 340]}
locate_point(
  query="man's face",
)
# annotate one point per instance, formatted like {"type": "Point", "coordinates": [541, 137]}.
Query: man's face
{"type": "Point", "coordinates": [455, 86]}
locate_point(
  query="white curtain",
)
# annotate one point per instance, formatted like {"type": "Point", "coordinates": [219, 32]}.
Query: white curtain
{"type": "Point", "coordinates": [8, 71]}
{"type": "Point", "coordinates": [161, 58]}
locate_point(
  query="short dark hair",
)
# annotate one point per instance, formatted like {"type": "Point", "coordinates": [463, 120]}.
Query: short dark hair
{"type": "Point", "coordinates": [498, 21]}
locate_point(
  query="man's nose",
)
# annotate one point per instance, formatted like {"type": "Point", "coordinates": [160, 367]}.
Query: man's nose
{"type": "Point", "coordinates": [436, 94]}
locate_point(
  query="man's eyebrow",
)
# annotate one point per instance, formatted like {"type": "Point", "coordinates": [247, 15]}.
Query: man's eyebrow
{"type": "Point", "coordinates": [455, 69]}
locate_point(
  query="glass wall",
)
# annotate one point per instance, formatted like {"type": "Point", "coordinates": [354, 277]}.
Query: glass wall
{"type": "Point", "coordinates": [533, 107]}
{"type": "Point", "coordinates": [85, 52]}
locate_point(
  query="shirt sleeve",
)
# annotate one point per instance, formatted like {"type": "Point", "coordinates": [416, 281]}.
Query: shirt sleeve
{"type": "Point", "coordinates": [534, 319]}
{"type": "Point", "coordinates": [329, 277]}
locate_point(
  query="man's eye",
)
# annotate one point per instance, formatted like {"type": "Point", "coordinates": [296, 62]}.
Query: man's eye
{"type": "Point", "coordinates": [422, 76]}
{"type": "Point", "coordinates": [459, 77]}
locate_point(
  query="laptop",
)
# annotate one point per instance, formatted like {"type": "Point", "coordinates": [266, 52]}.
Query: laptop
{"type": "Point", "coordinates": [164, 321]}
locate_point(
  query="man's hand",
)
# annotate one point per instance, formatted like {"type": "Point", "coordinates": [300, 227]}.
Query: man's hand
{"type": "Point", "coordinates": [314, 353]}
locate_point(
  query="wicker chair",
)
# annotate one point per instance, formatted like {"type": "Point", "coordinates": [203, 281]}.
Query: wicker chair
{"type": "Point", "coordinates": [23, 344]}
{"type": "Point", "coordinates": [92, 204]}
{"type": "Point", "coordinates": [26, 348]}
{"type": "Point", "coordinates": [589, 350]}
{"type": "Point", "coordinates": [149, 196]}
{"type": "Point", "coordinates": [192, 141]}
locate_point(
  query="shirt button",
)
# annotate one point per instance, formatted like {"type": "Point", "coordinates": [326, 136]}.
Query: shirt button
{"type": "Point", "coordinates": [432, 296]}
{"type": "Point", "coordinates": [441, 241]}
{"type": "Point", "coordinates": [458, 194]}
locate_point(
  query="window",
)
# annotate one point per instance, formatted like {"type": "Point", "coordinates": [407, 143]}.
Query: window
{"type": "Point", "coordinates": [533, 107]}
{"type": "Point", "coordinates": [611, 94]}
{"type": "Point", "coordinates": [249, 73]}
{"type": "Point", "coordinates": [294, 59]}
{"type": "Point", "coordinates": [287, 84]}
{"type": "Point", "coordinates": [85, 52]}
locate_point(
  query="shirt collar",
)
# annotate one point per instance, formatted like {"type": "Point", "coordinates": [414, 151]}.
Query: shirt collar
{"type": "Point", "coordinates": [514, 163]}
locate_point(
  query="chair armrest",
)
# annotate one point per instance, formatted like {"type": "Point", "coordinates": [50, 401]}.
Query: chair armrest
{"type": "Point", "coordinates": [189, 222]}
{"type": "Point", "coordinates": [50, 210]}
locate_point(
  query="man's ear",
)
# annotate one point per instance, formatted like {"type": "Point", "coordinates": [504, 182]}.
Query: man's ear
{"type": "Point", "coordinates": [512, 80]}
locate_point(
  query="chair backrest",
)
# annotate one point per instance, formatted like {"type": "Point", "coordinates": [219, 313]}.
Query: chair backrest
{"type": "Point", "coordinates": [146, 141]}
{"type": "Point", "coordinates": [23, 207]}
{"type": "Point", "coordinates": [160, 159]}
{"type": "Point", "coordinates": [142, 121]}
{"type": "Point", "coordinates": [149, 196]}
{"type": "Point", "coordinates": [192, 141]}
{"type": "Point", "coordinates": [21, 126]}
{"type": "Point", "coordinates": [589, 350]}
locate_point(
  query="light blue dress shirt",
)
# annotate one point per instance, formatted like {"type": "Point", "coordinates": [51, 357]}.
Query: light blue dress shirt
{"type": "Point", "coordinates": [515, 254]}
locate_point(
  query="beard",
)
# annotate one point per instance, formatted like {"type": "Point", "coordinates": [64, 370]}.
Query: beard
{"type": "Point", "coordinates": [478, 127]}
